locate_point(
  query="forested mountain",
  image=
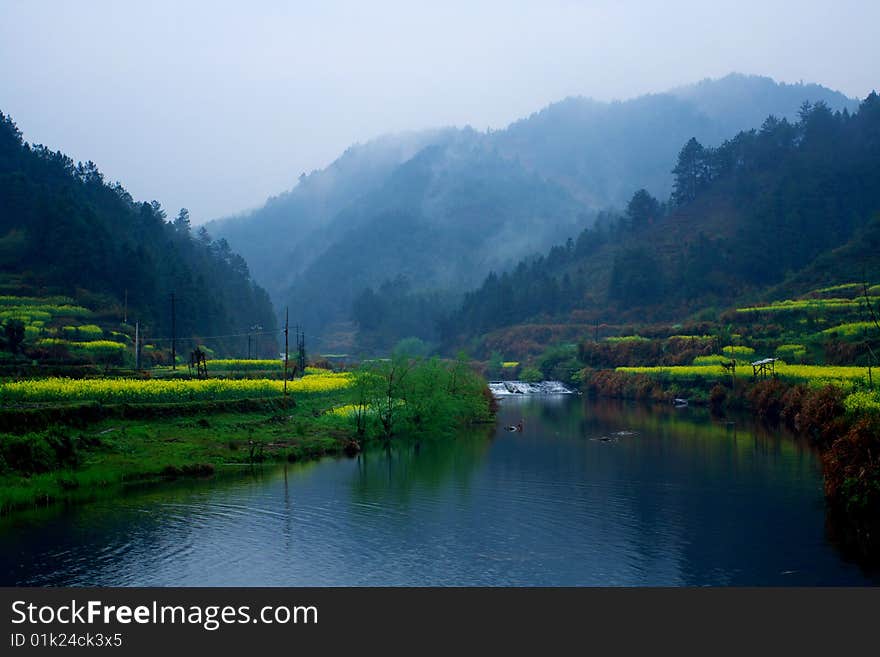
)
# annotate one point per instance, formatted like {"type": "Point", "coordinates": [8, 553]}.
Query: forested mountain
{"type": "Point", "coordinates": [427, 215]}
{"type": "Point", "coordinates": [280, 239]}
{"type": "Point", "coordinates": [64, 230]}
{"type": "Point", "coordinates": [603, 152]}
{"type": "Point", "coordinates": [793, 205]}
{"type": "Point", "coordinates": [443, 219]}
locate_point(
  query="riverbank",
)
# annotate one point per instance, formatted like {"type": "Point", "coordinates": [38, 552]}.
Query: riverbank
{"type": "Point", "coordinates": [843, 425]}
{"type": "Point", "coordinates": [73, 462]}
{"type": "Point", "coordinates": [69, 452]}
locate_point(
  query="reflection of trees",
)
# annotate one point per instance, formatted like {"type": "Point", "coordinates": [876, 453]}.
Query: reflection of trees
{"type": "Point", "coordinates": [732, 496]}
{"type": "Point", "coordinates": [694, 425]}
{"type": "Point", "coordinates": [394, 469]}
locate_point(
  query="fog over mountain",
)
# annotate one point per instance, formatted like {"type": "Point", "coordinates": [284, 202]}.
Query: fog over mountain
{"type": "Point", "coordinates": [441, 208]}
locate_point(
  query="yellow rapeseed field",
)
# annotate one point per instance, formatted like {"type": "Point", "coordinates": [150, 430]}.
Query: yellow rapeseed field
{"type": "Point", "coordinates": [244, 364]}
{"type": "Point", "coordinates": [813, 374]}
{"type": "Point", "coordinates": [163, 390]}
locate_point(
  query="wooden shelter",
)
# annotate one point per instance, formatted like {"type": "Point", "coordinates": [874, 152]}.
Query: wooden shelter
{"type": "Point", "coordinates": [764, 367]}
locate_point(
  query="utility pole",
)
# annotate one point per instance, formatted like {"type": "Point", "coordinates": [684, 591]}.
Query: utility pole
{"type": "Point", "coordinates": [256, 328]}
{"type": "Point", "coordinates": [173, 334]}
{"type": "Point", "coordinates": [125, 309]}
{"type": "Point", "coordinates": [301, 350]}
{"type": "Point", "coordinates": [137, 346]}
{"type": "Point", "coordinates": [286, 327]}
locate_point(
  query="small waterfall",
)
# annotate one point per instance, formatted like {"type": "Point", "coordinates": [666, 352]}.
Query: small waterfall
{"type": "Point", "coordinates": [505, 388]}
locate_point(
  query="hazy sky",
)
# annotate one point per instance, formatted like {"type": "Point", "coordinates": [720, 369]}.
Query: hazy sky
{"type": "Point", "coordinates": [215, 106]}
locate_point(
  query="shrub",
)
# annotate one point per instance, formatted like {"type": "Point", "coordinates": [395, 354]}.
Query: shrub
{"type": "Point", "coordinates": [710, 360]}
{"type": "Point", "coordinates": [37, 453]}
{"type": "Point", "coordinates": [717, 397]}
{"type": "Point", "coordinates": [531, 375]}
{"type": "Point", "coordinates": [862, 401]}
{"type": "Point", "coordinates": [738, 352]}
{"type": "Point", "coordinates": [791, 352]}
{"type": "Point", "coordinates": [766, 397]}
{"type": "Point", "coordinates": [821, 414]}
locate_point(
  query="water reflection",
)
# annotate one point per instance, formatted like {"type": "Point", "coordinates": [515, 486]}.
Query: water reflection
{"type": "Point", "coordinates": [588, 493]}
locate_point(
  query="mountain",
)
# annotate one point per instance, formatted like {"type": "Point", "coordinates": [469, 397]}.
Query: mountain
{"type": "Point", "coordinates": [603, 152]}
{"type": "Point", "coordinates": [64, 230]}
{"type": "Point", "coordinates": [780, 210]}
{"type": "Point", "coordinates": [280, 239]}
{"type": "Point", "coordinates": [443, 219]}
{"type": "Point", "coordinates": [434, 212]}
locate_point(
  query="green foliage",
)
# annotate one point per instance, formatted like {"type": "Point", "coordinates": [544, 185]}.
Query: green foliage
{"type": "Point", "coordinates": [637, 277]}
{"type": "Point", "coordinates": [843, 287]}
{"type": "Point", "coordinates": [791, 352]}
{"type": "Point", "coordinates": [848, 378]}
{"type": "Point", "coordinates": [862, 401]}
{"type": "Point", "coordinates": [495, 366]}
{"type": "Point", "coordinates": [559, 362]}
{"type": "Point", "coordinates": [738, 352]}
{"type": "Point", "coordinates": [412, 347]}
{"type": "Point", "coordinates": [850, 330]}
{"type": "Point", "coordinates": [404, 395]}
{"type": "Point", "coordinates": [693, 172]}
{"type": "Point", "coordinates": [83, 332]}
{"type": "Point", "coordinates": [244, 365]}
{"type": "Point", "coordinates": [394, 311]}
{"type": "Point", "coordinates": [819, 305]}
{"type": "Point", "coordinates": [101, 243]}
{"type": "Point", "coordinates": [748, 215]}
{"type": "Point", "coordinates": [36, 453]}
{"type": "Point", "coordinates": [643, 209]}
{"type": "Point", "coordinates": [626, 338]}
{"type": "Point", "coordinates": [13, 335]}
{"type": "Point", "coordinates": [531, 375]}
{"type": "Point", "coordinates": [714, 359]}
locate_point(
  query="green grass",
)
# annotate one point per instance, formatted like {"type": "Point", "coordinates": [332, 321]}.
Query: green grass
{"type": "Point", "coordinates": [738, 352]}
{"type": "Point", "coordinates": [791, 352]}
{"type": "Point", "coordinates": [245, 365]}
{"type": "Point", "coordinates": [46, 311]}
{"type": "Point", "coordinates": [850, 330]}
{"type": "Point", "coordinates": [711, 360]}
{"type": "Point", "coordinates": [116, 452]}
{"type": "Point", "coordinates": [84, 331]}
{"type": "Point", "coordinates": [818, 305]}
{"type": "Point", "coordinates": [126, 434]}
{"type": "Point", "coordinates": [843, 287]}
{"type": "Point", "coordinates": [863, 401]}
{"type": "Point", "coordinates": [9, 300]}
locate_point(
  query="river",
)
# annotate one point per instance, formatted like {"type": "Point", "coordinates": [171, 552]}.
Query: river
{"type": "Point", "coordinates": [588, 493]}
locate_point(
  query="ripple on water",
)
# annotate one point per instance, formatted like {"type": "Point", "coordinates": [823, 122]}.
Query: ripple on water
{"type": "Point", "coordinates": [545, 506]}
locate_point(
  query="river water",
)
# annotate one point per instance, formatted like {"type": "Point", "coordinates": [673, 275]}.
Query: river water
{"type": "Point", "coordinates": [588, 493]}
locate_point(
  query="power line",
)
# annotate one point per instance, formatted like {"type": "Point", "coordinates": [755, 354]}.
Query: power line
{"type": "Point", "coordinates": [217, 337]}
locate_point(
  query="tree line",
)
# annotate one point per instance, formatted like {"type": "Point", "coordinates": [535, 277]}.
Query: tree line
{"type": "Point", "coordinates": [65, 230]}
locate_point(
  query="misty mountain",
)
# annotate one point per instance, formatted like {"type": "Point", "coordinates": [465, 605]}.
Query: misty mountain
{"type": "Point", "coordinates": [280, 239]}
{"type": "Point", "coordinates": [442, 219]}
{"type": "Point", "coordinates": [438, 210]}
{"type": "Point", "coordinates": [603, 152]}
{"type": "Point", "coordinates": [781, 210]}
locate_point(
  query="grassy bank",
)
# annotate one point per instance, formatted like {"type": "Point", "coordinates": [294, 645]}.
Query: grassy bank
{"type": "Point", "coordinates": [66, 440]}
